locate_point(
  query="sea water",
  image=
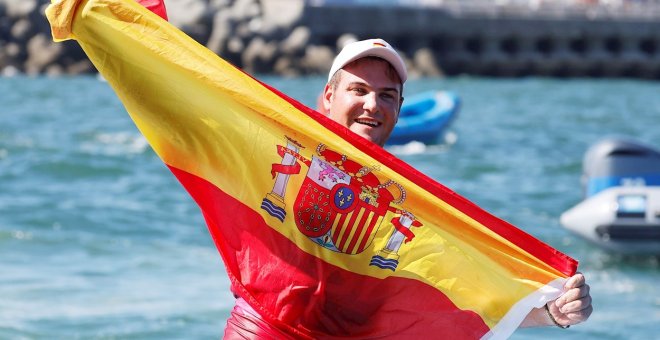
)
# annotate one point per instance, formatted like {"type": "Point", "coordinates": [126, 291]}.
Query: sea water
{"type": "Point", "coordinates": [99, 241]}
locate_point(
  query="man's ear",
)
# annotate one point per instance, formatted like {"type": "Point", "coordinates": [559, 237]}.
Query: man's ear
{"type": "Point", "coordinates": [327, 98]}
{"type": "Point", "coordinates": [400, 106]}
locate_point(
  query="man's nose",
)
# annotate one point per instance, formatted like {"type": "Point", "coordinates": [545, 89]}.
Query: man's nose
{"type": "Point", "coordinates": [370, 102]}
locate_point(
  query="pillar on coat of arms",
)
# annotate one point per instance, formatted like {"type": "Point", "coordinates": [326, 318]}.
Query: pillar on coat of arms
{"type": "Point", "coordinates": [388, 257]}
{"type": "Point", "coordinates": [273, 203]}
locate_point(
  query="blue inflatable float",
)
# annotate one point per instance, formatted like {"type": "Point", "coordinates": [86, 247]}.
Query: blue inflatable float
{"type": "Point", "coordinates": [424, 117]}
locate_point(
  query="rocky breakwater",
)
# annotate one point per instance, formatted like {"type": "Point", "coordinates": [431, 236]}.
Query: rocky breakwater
{"type": "Point", "coordinates": [259, 36]}
{"type": "Point", "coordinates": [26, 45]}
{"type": "Point", "coordinates": [297, 37]}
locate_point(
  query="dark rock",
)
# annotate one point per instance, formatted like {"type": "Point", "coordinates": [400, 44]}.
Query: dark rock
{"type": "Point", "coordinates": [41, 53]}
{"type": "Point", "coordinates": [317, 59]}
{"type": "Point", "coordinates": [425, 63]}
{"type": "Point", "coordinates": [220, 33]}
{"type": "Point", "coordinates": [82, 66]}
{"type": "Point", "coordinates": [22, 30]}
{"type": "Point", "coordinates": [182, 13]}
{"type": "Point", "coordinates": [20, 8]}
{"type": "Point", "coordinates": [296, 41]}
{"type": "Point", "coordinates": [259, 56]}
{"type": "Point", "coordinates": [286, 67]}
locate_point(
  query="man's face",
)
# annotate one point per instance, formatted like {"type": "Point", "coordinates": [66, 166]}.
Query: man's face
{"type": "Point", "coordinates": [366, 99]}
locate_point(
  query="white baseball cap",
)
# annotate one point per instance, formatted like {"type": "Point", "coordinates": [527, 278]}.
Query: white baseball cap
{"type": "Point", "coordinates": [369, 48]}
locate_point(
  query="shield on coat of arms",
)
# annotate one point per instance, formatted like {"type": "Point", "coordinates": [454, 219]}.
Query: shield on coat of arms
{"type": "Point", "coordinates": [336, 210]}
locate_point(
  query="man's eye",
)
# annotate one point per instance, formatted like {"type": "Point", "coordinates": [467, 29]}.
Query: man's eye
{"type": "Point", "coordinates": [359, 90]}
{"type": "Point", "coordinates": [387, 96]}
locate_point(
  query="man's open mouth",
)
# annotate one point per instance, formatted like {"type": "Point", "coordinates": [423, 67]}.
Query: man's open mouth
{"type": "Point", "coordinates": [368, 122]}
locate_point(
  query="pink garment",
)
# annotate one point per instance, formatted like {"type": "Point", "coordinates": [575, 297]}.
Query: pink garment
{"type": "Point", "coordinates": [245, 323]}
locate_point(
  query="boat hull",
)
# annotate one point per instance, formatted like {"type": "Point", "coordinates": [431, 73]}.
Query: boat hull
{"type": "Point", "coordinates": [622, 219]}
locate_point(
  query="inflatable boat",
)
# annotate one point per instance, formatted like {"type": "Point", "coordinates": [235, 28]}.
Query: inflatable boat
{"type": "Point", "coordinates": [621, 189]}
{"type": "Point", "coordinates": [424, 117]}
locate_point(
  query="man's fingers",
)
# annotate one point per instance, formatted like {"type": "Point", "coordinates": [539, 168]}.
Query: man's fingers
{"type": "Point", "coordinates": [574, 312]}
{"type": "Point", "coordinates": [572, 295]}
{"type": "Point", "coordinates": [576, 305]}
{"type": "Point", "coordinates": [580, 315]}
{"type": "Point", "coordinates": [575, 281]}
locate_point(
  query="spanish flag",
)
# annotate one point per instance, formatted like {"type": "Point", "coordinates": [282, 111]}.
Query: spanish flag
{"type": "Point", "coordinates": [325, 234]}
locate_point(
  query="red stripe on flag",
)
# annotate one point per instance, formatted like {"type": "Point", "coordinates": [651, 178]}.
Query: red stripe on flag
{"type": "Point", "coordinates": [338, 230]}
{"type": "Point", "coordinates": [308, 297]}
{"type": "Point", "coordinates": [156, 6]}
{"type": "Point", "coordinates": [358, 233]}
{"type": "Point", "coordinates": [372, 224]}
{"type": "Point", "coordinates": [351, 225]}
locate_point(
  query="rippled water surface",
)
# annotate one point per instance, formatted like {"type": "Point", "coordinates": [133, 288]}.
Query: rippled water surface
{"type": "Point", "coordinates": [98, 240]}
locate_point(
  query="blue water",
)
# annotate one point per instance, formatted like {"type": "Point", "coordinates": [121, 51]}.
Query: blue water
{"type": "Point", "coordinates": [98, 240]}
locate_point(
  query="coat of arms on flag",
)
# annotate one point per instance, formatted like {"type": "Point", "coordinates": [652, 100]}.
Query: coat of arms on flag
{"type": "Point", "coordinates": [341, 204]}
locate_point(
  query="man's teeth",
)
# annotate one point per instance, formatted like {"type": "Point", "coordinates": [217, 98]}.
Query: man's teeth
{"type": "Point", "coordinates": [368, 122]}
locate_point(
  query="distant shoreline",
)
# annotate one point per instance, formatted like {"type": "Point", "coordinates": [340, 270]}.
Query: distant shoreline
{"type": "Point", "coordinates": [296, 37]}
